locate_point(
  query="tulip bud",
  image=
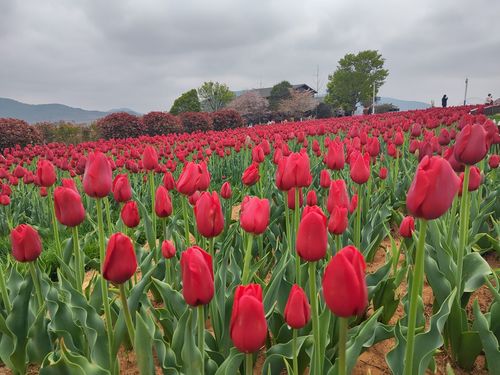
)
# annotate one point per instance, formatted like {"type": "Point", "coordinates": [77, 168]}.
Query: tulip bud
{"type": "Point", "coordinates": [254, 215]}
{"type": "Point", "coordinates": [122, 191]}
{"type": "Point", "coordinates": [337, 196]}
{"type": "Point", "coordinates": [130, 214]}
{"type": "Point", "coordinates": [248, 327]}
{"type": "Point", "coordinates": [311, 198]}
{"type": "Point", "coordinates": [312, 237]}
{"type": "Point", "coordinates": [471, 144]}
{"type": "Point", "coordinates": [46, 173]}
{"type": "Point", "coordinates": [120, 263]}
{"type": "Point", "coordinates": [344, 284]}
{"type": "Point", "coordinates": [291, 198]}
{"type": "Point", "coordinates": [494, 161]}
{"type": "Point", "coordinates": [475, 180]}
{"type": "Point", "coordinates": [407, 227]}
{"type": "Point", "coordinates": [294, 171]}
{"type": "Point", "coordinates": [97, 179]}
{"type": "Point", "coordinates": [197, 276]}
{"type": "Point", "coordinates": [324, 179]}
{"type": "Point", "coordinates": [163, 203]}
{"type": "Point", "coordinates": [353, 205]}
{"type": "Point", "coordinates": [297, 309]}
{"type": "Point", "coordinates": [338, 222]}
{"type": "Point", "coordinates": [150, 158]}
{"type": "Point", "coordinates": [68, 206]}
{"type": "Point", "coordinates": [208, 214]}
{"type": "Point", "coordinates": [360, 168]}
{"type": "Point", "coordinates": [382, 173]}
{"type": "Point", "coordinates": [193, 177]}
{"type": "Point", "coordinates": [226, 191]}
{"type": "Point", "coordinates": [167, 249]}
{"type": "Point", "coordinates": [433, 189]}
{"type": "Point", "coordinates": [4, 200]}
{"type": "Point", "coordinates": [168, 181]}
{"type": "Point", "coordinates": [251, 175]}
{"type": "Point", "coordinates": [26, 243]}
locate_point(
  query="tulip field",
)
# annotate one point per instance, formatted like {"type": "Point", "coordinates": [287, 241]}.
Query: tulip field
{"type": "Point", "coordinates": [354, 245]}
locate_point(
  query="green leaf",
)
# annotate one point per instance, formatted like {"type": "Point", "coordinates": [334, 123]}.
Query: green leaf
{"type": "Point", "coordinates": [474, 272]}
{"type": "Point", "coordinates": [232, 363]}
{"type": "Point", "coordinates": [488, 339]}
{"type": "Point", "coordinates": [191, 356]}
{"type": "Point", "coordinates": [143, 344]}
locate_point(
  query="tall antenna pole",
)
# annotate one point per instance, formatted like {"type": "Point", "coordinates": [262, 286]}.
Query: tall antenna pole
{"type": "Point", "coordinates": [373, 104]}
{"type": "Point", "coordinates": [466, 84]}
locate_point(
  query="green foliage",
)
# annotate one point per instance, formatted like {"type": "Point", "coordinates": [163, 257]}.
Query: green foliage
{"type": "Point", "coordinates": [187, 102]}
{"type": "Point", "coordinates": [324, 110]}
{"type": "Point", "coordinates": [66, 132]}
{"type": "Point", "coordinates": [354, 78]}
{"type": "Point", "coordinates": [386, 107]}
{"type": "Point", "coordinates": [279, 92]}
{"type": "Point", "coordinates": [215, 95]}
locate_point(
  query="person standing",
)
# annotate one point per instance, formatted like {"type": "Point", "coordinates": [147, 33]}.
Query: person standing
{"type": "Point", "coordinates": [444, 101]}
{"type": "Point", "coordinates": [489, 100]}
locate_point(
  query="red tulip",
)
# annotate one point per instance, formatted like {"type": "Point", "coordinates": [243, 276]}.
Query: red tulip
{"type": "Point", "coordinates": [297, 309]}
{"type": "Point", "coordinates": [251, 175]}
{"type": "Point", "coordinates": [26, 243]}
{"type": "Point", "coordinates": [97, 179]}
{"type": "Point", "coordinates": [344, 285]}
{"type": "Point", "coordinates": [46, 173]}
{"type": "Point", "coordinates": [225, 190]}
{"type": "Point", "coordinates": [335, 159]}
{"type": "Point", "coordinates": [471, 144]}
{"type": "Point", "coordinates": [294, 171]}
{"type": "Point", "coordinates": [360, 168]}
{"type": "Point", "coordinates": [208, 214]}
{"type": "Point", "coordinates": [69, 183]}
{"type": "Point", "coordinates": [382, 173]}
{"type": "Point", "coordinates": [197, 276]}
{"type": "Point", "coordinates": [122, 192]}
{"type": "Point", "coordinates": [130, 214]}
{"type": "Point", "coordinates": [433, 189]}
{"type": "Point", "coordinates": [168, 249]}
{"type": "Point", "coordinates": [475, 180]}
{"type": "Point", "coordinates": [494, 161]}
{"type": "Point", "coordinates": [163, 203]}
{"type": "Point", "coordinates": [353, 204]}
{"type": "Point", "coordinates": [258, 154]}
{"type": "Point", "coordinates": [150, 158]}
{"type": "Point", "coordinates": [324, 179]}
{"type": "Point", "coordinates": [4, 200]}
{"type": "Point", "coordinates": [254, 215]}
{"type": "Point", "coordinates": [338, 222]}
{"type": "Point", "coordinates": [168, 181]}
{"type": "Point", "coordinates": [407, 227]}
{"type": "Point", "coordinates": [248, 327]}
{"type": "Point", "coordinates": [291, 198]}
{"type": "Point", "coordinates": [68, 206]}
{"type": "Point", "coordinates": [337, 196]}
{"type": "Point", "coordinates": [193, 198]}
{"type": "Point", "coordinates": [120, 263]}
{"type": "Point", "coordinates": [193, 177]}
{"type": "Point", "coordinates": [312, 237]}
{"type": "Point", "coordinates": [311, 198]}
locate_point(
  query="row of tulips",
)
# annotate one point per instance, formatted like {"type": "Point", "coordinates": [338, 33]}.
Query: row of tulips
{"type": "Point", "coordinates": [257, 266]}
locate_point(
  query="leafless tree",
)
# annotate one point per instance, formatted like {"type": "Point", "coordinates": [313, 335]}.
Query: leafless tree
{"type": "Point", "coordinates": [252, 106]}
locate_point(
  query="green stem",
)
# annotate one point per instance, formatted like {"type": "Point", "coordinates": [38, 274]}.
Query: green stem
{"type": "Point", "coordinates": [201, 335]}
{"type": "Point", "coordinates": [451, 225]}
{"type": "Point", "coordinates": [126, 314]}
{"type": "Point", "coordinates": [36, 283]}
{"type": "Point", "coordinates": [338, 239]}
{"type": "Point", "coordinates": [108, 215]}
{"type": "Point", "coordinates": [344, 323]}
{"type": "Point", "coordinates": [248, 257]}
{"type": "Point", "coordinates": [296, 229]}
{"type": "Point", "coordinates": [295, 354]}
{"type": "Point", "coordinates": [80, 271]}
{"type": "Point", "coordinates": [416, 287]}
{"type": "Point", "coordinates": [463, 228]}
{"type": "Point", "coordinates": [249, 364]}
{"type": "Point", "coordinates": [315, 317]}
{"type": "Point", "coordinates": [54, 222]}
{"type": "Point", "coordinates": [186, 219]}
{"type": "Point", "coordinates": [4, 293]}
{"type": "Point", "coordinates": [152, 192]}
{"type": "Point", "coordinates": [104, 284]}
{"type": "Point", "coordinates": [357, 228]}
{"type": "Point", "coordinates": [287, 225]}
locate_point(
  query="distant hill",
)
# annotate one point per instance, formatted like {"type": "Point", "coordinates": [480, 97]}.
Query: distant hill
{"type": "Point", "coordinates": [32, 113]}
{"type": "Point", "coordinates": [404, 105]}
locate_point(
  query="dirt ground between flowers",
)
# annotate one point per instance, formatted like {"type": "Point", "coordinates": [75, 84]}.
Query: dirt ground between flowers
{"type": "Point", "coordinates": [372, 361]}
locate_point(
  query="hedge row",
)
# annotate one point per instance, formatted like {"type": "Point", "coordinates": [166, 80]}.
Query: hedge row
{"type": "Point", "coordinates": [124, 125]}
{"type": "Point", "coordinates": [17, 132]}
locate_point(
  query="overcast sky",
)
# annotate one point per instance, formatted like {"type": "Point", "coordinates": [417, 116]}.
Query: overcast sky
{"type": "Point", "coordinates": [142, 54]}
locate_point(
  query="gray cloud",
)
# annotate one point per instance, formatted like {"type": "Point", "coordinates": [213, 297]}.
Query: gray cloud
{"type": "Point", "coordinates": [143, 54]}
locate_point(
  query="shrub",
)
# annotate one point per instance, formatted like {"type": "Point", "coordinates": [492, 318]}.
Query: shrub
{"type": "Point", "coordinates": [65, 132]}
{"type": "Point", "coordinates": [386, 107]}
{"type": "Point", "coordinates": [196, 121]}
{"type": "Point", "coordinates": [17, 132]}
{"type": "Point", "coordinates": [120, 125]}
{"type": "Point", "coordinates": [157, 123]}
{"type": "Point", "coordinates": [226, 119]}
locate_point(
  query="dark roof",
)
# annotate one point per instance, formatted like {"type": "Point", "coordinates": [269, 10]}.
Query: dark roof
{"type": "Point", "coordinates": [265, 92]}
